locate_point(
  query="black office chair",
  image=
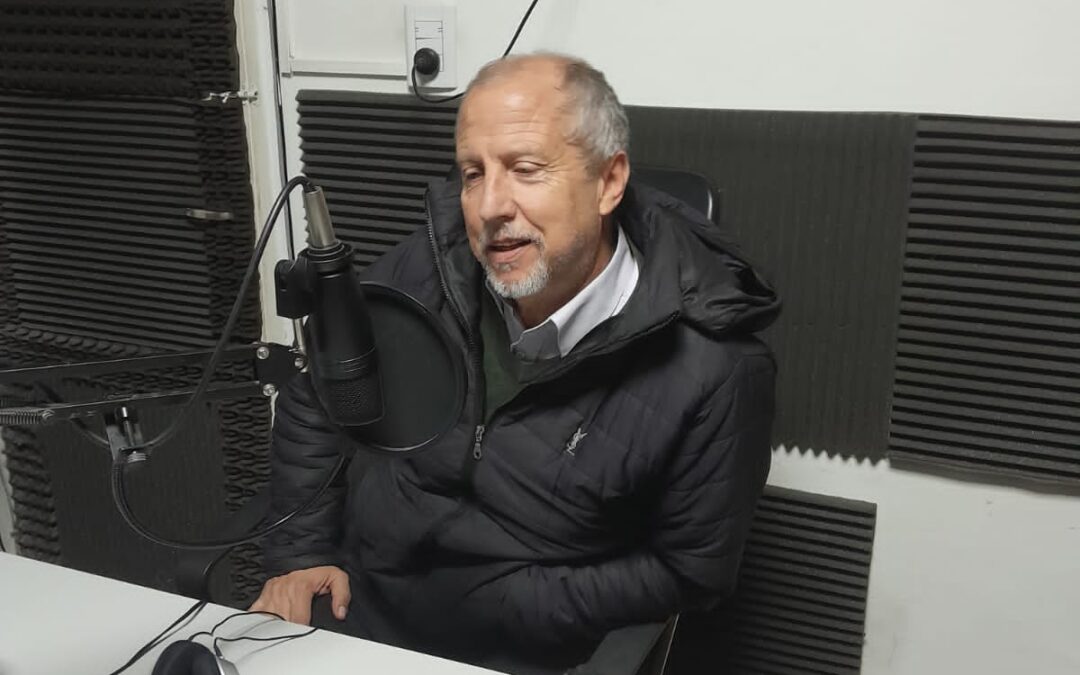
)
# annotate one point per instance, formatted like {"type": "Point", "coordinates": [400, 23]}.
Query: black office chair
{"type": "Point", "coordinates": [692, 188]}
{"type": "Point", "coordinates": [634, 650]}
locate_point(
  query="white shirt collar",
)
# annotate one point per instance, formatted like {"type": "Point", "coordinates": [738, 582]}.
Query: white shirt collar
{"type": "Point", "coordinates": [601, 299]}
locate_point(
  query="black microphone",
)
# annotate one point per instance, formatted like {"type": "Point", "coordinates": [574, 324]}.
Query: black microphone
{"type": "Point", "coordinates": [324, 284]}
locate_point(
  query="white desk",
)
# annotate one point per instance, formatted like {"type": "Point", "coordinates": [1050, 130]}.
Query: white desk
{"type": "Point", "coordinates": [56, 621]}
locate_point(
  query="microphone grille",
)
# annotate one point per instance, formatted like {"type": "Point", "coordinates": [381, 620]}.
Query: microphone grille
{"type": "Point", "coordinates": [354, 400]}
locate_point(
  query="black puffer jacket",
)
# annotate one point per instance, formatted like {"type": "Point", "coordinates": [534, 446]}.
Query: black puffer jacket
{"type": "Point", "coordinates": [544, 543]}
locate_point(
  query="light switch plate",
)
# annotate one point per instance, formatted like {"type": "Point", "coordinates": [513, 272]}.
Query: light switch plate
{"type": "Point", "coordinates": [434, 27]}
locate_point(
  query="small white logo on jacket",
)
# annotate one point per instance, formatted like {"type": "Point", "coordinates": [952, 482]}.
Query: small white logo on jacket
{"type": "Point", "coordinates": [578, 436]}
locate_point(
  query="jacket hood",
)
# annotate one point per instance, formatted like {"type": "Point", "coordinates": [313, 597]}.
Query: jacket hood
{"type": "Point", "coordinates": [719, 291]}
{"type": "Point", "coordinates": [690, 268]}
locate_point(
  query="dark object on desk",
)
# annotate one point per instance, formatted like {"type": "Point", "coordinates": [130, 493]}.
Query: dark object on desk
{"type": "Point", "coordinates": [191, 658]}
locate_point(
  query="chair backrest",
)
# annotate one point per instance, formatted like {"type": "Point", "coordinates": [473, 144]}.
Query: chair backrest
{"type": "Point", "coordinates": [692, 188]}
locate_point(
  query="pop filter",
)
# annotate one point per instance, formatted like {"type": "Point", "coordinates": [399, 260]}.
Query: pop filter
{"type": "Point", "coordinates": [423, 377]}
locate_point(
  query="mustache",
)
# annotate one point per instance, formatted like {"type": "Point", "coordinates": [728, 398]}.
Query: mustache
{"type": "Point", "coordinates": [509, 231]}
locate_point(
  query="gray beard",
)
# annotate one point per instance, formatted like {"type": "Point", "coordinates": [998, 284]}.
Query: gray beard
{"type": "Point", "coordinates": [533, 282]}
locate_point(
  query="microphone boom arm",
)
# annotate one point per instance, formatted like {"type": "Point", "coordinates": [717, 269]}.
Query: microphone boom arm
{"type": "Point", "coordinates": [275, 365]}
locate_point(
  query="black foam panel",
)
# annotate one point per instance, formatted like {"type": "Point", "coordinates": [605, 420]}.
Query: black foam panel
{"type": "Point", "coordinates": [988, 350]}
{"type": "Point", "coordinates": [800, 605]}
{"type": "Point", "coordinates": [374, 155]}
{"type": "Point", "coordinates": [106, 145]}
{"type": "Point", "coordinates": [819, 201]}
{"type": "Point", "coordinates": [163, 48]}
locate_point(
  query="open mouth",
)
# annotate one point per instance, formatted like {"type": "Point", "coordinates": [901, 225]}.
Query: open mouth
{"type": "Point", "coordinates": [507, 245]}
{"type": "Point", "coordinates": [506, 250]}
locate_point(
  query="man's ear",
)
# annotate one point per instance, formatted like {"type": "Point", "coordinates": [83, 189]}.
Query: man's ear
{"type": "Point", "coordinates": [613, 179]}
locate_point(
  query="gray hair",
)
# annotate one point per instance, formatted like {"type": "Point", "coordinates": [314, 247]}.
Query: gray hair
{"type": "Point", "coordinates": [600, 127]}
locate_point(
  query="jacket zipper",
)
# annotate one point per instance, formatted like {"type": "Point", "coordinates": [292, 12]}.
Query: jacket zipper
{"type": "Point", "coordinates": [477, 450]}
{"type": "Point", "coordinates": [474, 351]}
{"type": "Point", "coordinates": [470, 340]}
{"type": "Point", "coordinates": [478, 432]}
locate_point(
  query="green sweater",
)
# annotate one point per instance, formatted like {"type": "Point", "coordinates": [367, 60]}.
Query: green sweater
{"type": "Point", "coordinates": [504, 373]}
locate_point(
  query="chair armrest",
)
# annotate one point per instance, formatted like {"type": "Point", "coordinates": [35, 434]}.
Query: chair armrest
{"type": "Point", "coordinates": [193, 568]}
{"type": "Point", "coordinates": [631, 650]}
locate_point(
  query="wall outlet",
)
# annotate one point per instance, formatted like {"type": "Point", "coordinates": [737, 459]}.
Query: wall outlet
{"type": "Point", "coordinates": [433, 27]}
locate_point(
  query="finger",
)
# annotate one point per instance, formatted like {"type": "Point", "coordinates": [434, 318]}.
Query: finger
{"type": "Point", "coordinates": [340, 596]}
{"type": "Point", "coordinates": [261, 602]}
{"type": "Point", "coordinates": [275, 600]}
{"type": "Point", "coordinates": [300, 605]}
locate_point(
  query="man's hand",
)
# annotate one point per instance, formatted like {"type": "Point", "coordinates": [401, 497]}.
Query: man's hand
{"type": "Point", "coordinates": [290, 595]}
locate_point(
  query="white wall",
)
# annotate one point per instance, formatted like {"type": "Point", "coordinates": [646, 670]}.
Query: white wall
{"type": "Point", "coordinates": [989, 57]}
{"type": "Point", "coordinates": [257, 73]}
{"type": "Point", "coordinates": [967, 577]}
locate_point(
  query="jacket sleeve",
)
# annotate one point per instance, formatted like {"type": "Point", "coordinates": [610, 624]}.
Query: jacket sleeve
{"type": "Point", "coordinates": [304, 445]}
{"type": "Point", "coordinates": [304, 448]}
{"type": "Point", "coordinates": [700, 528]}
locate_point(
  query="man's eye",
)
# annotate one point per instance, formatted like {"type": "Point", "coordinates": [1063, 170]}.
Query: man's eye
{"type": "Point", "coordinates": [469, 176]}
{"type": "Point", "coordinates": [526, 169]}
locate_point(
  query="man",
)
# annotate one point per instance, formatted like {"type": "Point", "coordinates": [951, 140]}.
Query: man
{"type": "Point", "coordinates": [616, 436]}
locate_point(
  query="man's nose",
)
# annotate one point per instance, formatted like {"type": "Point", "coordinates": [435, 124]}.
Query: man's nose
{"type": "Point", "coordinates": [497, 202]}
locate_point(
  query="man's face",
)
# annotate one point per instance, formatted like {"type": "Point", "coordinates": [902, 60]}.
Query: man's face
{"type": "Point", "coordinates": [532, 206]}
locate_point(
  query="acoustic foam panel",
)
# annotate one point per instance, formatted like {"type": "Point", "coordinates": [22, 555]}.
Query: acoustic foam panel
{"type": "Point", "coordinates": [105, 143]}
{"type": "Point", "coordinates": [818, 200]}
{"type": "Point", "coordinates": [179, 48]}
{"type": "Point", "coordinates": [800, 605]}
{"type": "Point", "coordinates": [374, 156]}
{"type": "Point", "coordinates": [988, 348]}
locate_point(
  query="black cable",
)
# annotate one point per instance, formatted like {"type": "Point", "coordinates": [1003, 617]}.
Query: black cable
{"type": "Point", "coordinates": [245, 638]}
{"type": "Point", "coordinates": [119, 493]}
{"type": "Point", "coordinates": [191, 612]}
{"type": "Point", "coordinates": [119, 467]}
{"type": "Point", "coordinates": [224, 621]}
{"type": "Point", "coordinates": [283, 169]}
{"type": "Point", "coordinates": [428, 99]}
{"type": "Point", "coordinates": [221, 623]}
{"type": "Point", "coordinates": [271, 15]}
{"type": "Point", "coordinates": [521, 25]}
{"type": "Point", "coordinates": [509, 47]}
{"type": "Point", "coordinates": [230, 322]}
